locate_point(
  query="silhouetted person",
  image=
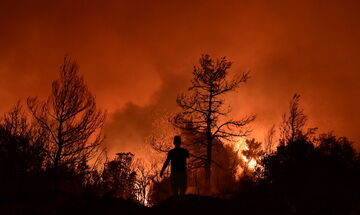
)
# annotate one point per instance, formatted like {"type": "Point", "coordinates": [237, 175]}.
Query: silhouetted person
{"type": "Point", "coordinates": [178, 177]}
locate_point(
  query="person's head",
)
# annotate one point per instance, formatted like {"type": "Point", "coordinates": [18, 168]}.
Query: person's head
{"type": "Point", "coordinates": [177, 141]}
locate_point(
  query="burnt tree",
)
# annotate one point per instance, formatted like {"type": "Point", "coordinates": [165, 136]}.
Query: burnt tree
{"type": "Point", "coordinates": [203, 110]}
{"type": "Point", "coordinates": [69, 118]}
{"type": "Point", "coordinates": [293, 124]}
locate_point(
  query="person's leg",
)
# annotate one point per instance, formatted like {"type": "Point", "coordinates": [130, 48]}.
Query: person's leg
{"type": "Point", "coordinates": [183, 184]}
{"type": "Point", "coordinates": [174, 185]}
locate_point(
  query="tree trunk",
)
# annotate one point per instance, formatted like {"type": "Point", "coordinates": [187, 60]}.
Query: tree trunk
{"type": "Point", "coordinates": [57, 158]}
{"type": "Point", "coordinates": [208, 162]}
{"type": "Point", "coordinates": [209, 144]}
{"type": "Point", "coordinates": [60, 146]}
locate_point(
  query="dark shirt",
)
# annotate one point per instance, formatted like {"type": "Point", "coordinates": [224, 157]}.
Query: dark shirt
{"type": "Point", "coordinates": [178, 159]}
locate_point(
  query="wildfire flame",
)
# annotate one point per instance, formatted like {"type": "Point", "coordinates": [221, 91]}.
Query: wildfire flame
{"type": "Point", "coordinates": [250, 164]}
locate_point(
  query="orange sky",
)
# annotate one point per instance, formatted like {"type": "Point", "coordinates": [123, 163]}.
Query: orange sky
{"type": "Point", "coordinates": [137, 55]}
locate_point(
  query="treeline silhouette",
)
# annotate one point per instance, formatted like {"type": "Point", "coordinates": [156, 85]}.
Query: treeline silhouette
{"type": "Point", "coordinates": [309, 173]}
{"type": "Point", "coordinates": [52, 162]}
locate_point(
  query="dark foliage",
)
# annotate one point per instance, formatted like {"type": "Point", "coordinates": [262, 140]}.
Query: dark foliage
{"type": "Point", "coordinates": [69, 119]}
{"type": "Point", "coordinates": [309, 178]}
{"type": "Point", "coordinates": [118, 178]}
{"type": "Point", "coordinates": [21, 153]}
{"type": "Point", "coordinates": [312, 175]}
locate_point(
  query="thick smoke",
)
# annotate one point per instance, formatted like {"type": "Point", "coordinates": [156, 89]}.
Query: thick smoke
{"type": "Point", "coordinates": [129, 128]}
{"type": "Point", "coordinates": [137, 55]}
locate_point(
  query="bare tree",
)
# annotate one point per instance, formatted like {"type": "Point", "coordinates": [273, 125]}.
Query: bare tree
{"type": "Point", "coordinates": [269, 140]}
{"type": "Point", "coordinates": [293, 125]}
{"type": "Point", "coordinates": [69, 118]}
{"type": "Point", "coordinates": [146, 174]}
{"type": "Point", "coordinates": [16, 122]}
{"type": "Point", "coordinates": [203, 112]}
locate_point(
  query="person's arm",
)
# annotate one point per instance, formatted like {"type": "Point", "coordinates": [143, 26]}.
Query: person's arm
{"type": "Point", "coordinates": [166, 163]}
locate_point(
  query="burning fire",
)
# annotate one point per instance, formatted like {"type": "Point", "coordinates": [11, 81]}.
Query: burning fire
{"type": "Point", "coordinates": [250, 164]}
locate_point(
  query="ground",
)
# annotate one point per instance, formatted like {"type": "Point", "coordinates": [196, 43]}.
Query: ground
{"type": "Point", "coordinates": [191, 204]}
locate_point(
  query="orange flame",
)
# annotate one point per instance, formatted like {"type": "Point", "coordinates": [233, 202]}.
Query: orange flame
{"type": "Point", "coordinates": [238, 147]}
